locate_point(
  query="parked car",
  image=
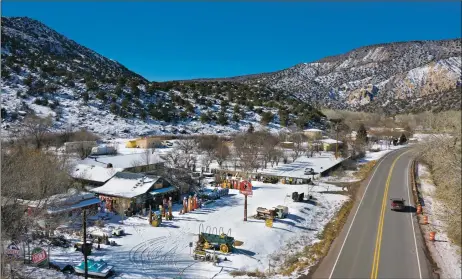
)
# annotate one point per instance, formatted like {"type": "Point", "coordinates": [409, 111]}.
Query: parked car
{"type": "Point", "coordinates": [309, 171]}
{"type": "Point", "coordinates": [397, 204]}
{"type": "Point", "coordinates": [272, 180]}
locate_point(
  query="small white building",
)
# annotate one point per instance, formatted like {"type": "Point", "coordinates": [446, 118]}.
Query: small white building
{"type": "Point", "coordinates": [93, 175]}
{"type": "Point", "coordinates": [134, 162]}
{"type": "Point", "coordinates": [71, 201]}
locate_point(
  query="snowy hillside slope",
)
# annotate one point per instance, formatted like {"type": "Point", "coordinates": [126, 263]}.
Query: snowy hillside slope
{"type": "Point", "coordinates": [420, 73]}
{"type": "Point", "coordinates": [45, 73]}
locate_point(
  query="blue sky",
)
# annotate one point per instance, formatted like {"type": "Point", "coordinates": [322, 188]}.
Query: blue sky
{"type": "Point", "coordinates": [165, 41]}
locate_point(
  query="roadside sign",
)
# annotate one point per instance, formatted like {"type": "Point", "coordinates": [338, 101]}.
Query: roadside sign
{"type": "Point", "coordinates": [190, 244]}
{"type": "Point", "coordinates": [13, 250]}
{"type": "Point", "coordinates": [269, 223]}
{"type": "Point", "coordinates": [39, 256]}
{"type": "Point", "coordinates": [245, 188]}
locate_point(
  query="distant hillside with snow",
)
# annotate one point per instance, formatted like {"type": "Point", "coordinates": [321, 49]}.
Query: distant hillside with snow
{"type": "Point", "coordinates": [45, 73]}
{"type": "Point", "coordinates": [388, 78]}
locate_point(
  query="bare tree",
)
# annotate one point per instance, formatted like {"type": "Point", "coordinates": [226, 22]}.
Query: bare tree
{"type": "Point", "coordinates": [206, 161]}
{"type": "Point", "coordinates": [276, 156]}
{"type": "Point", "coordinates": [144, 162]}
{"type": "Point", "coordinates": [179, 177]}
{"type": "Point", "coordinates": [83, 149]}
{"type": "Point", "coordinates": [221, 153]}
{"type": "Point", "coordinates": [268, 147]}
{"type": "Point", "coordinates": [443, 153]}
{"type": "Point", "coordinates": [28, 175]}
{"type": "Point", "coordinates": [284, 157]}
{"type": "Point", "coordinates": [298, 139]}
{"type": "Point", "coordinates": [187, 146]}
{"type": "Point", "coordinates": [173, 159]}
{"type": "Point", "coordinates": [36, 129]}
{"type": "Point", "coordinates": [235, 159]}
{"type": "Point", "coordinates": [207, 144]}
{"type": "Point", "coordinates": [247, 150]}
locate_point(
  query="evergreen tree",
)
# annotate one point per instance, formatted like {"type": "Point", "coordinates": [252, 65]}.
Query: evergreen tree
{"type": "Point", "coordinates": [361, 136]}
{"type": "Point", "coordinates": [301, 122]}
{"type": "Point", "coordinates": [28, 80]}
{"type": "Point", "coordinates": [85, 97]}
{"type": "Point", "coordinates": [118, 91]}
{"type": "Point", "coordinates": [266, 118]}
{"type": "Point", "coordinates": [204, 118]}
{"type": "Point", "coordinates": [134, 89]}
{"type": "Point", "coordinates": [143, 115]}
{"type": "Point", "coordinates": [283, 118]}
{"type": "Point", "coordinates": [125, 103]}
{"type": "Point", "coordinates": [101, 95]}
{"type": "Point", "coordinates": [242, 114]}
{"type": "Point", "coordinates": [183, 115]}
{"type": "Point", "coordinates": [113, 108]}
{"type": "Point", "coordinates": [91, 85]}
{"type": "Point", "coordinates": [402, 139]}
{"type": "Point", "coordinates": [122, 81]}
{"type": "Point", "coordinates": [222, 119]}
{"type": "Point", "coordinates": [251, 129]}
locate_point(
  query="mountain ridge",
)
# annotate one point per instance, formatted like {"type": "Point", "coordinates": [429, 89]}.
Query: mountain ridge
{"type": "Point", "coordinates": [45, 73]}
{"type": "Point", "coordinates": [323, 59]}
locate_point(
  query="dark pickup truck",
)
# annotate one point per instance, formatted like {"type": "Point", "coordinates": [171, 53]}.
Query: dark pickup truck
{"type": "Point", "coordinates": [397, 204]}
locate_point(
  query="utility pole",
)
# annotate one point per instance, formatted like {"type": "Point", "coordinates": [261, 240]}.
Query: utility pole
{"type": "Point", "coordinates": [245, 208]}
{"type": "Point", "coordinates": [84, 246]}
{"type": "Point", "coordinates": [336, 141]}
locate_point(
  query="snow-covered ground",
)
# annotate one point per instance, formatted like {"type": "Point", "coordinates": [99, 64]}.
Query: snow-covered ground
{"type": "Point", "coordinates": [348, 176]}
{"type": "Point", "coordinates": [446, 254]}
{"type": "Point", "coordinates": [42, 273]}
{"type": "Point", "coordinates": [163, 252]}
{"type": "Point", "coordinates": [319, 163]}
{"type": "Point", "coordinates": [371, 156]}
{"type": "Point", "coordinates": [92, 117]}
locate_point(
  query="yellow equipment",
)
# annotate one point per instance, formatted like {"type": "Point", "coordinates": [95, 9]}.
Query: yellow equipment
{"type": "Point", "coordinates": [224, 248]}
{"type": "Point", "coordinates": [131, 144]}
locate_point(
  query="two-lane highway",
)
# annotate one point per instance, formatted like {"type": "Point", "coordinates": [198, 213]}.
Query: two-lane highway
{"type": "Point", "coordinates": [375, 241]}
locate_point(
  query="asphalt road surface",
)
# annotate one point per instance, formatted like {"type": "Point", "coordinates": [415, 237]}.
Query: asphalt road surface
{"type": "Point", "coordinates": [375, 241]}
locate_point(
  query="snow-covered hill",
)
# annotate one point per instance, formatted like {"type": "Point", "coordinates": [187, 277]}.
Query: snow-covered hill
{"type": "Point", "coordinates": [393, 78]}
{"type": "Point", "coordinates": [45, 73]}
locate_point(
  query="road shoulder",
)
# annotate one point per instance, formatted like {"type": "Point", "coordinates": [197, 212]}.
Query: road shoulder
{"type": "Point", "coordinates": [443, 255]}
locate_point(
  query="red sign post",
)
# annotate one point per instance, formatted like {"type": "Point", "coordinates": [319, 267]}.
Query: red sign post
{"type": "Point", "coordinates": [245, 188]}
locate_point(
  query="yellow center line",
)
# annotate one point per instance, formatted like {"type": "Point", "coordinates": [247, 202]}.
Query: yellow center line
{"type": "Point", "coordinates": [378, 241]}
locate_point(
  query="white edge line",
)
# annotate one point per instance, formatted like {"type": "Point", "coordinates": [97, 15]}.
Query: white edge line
{"type": "Point", "coordinates": [352, 221]}
{"type": "Point", "coordinates": [412, 221]}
